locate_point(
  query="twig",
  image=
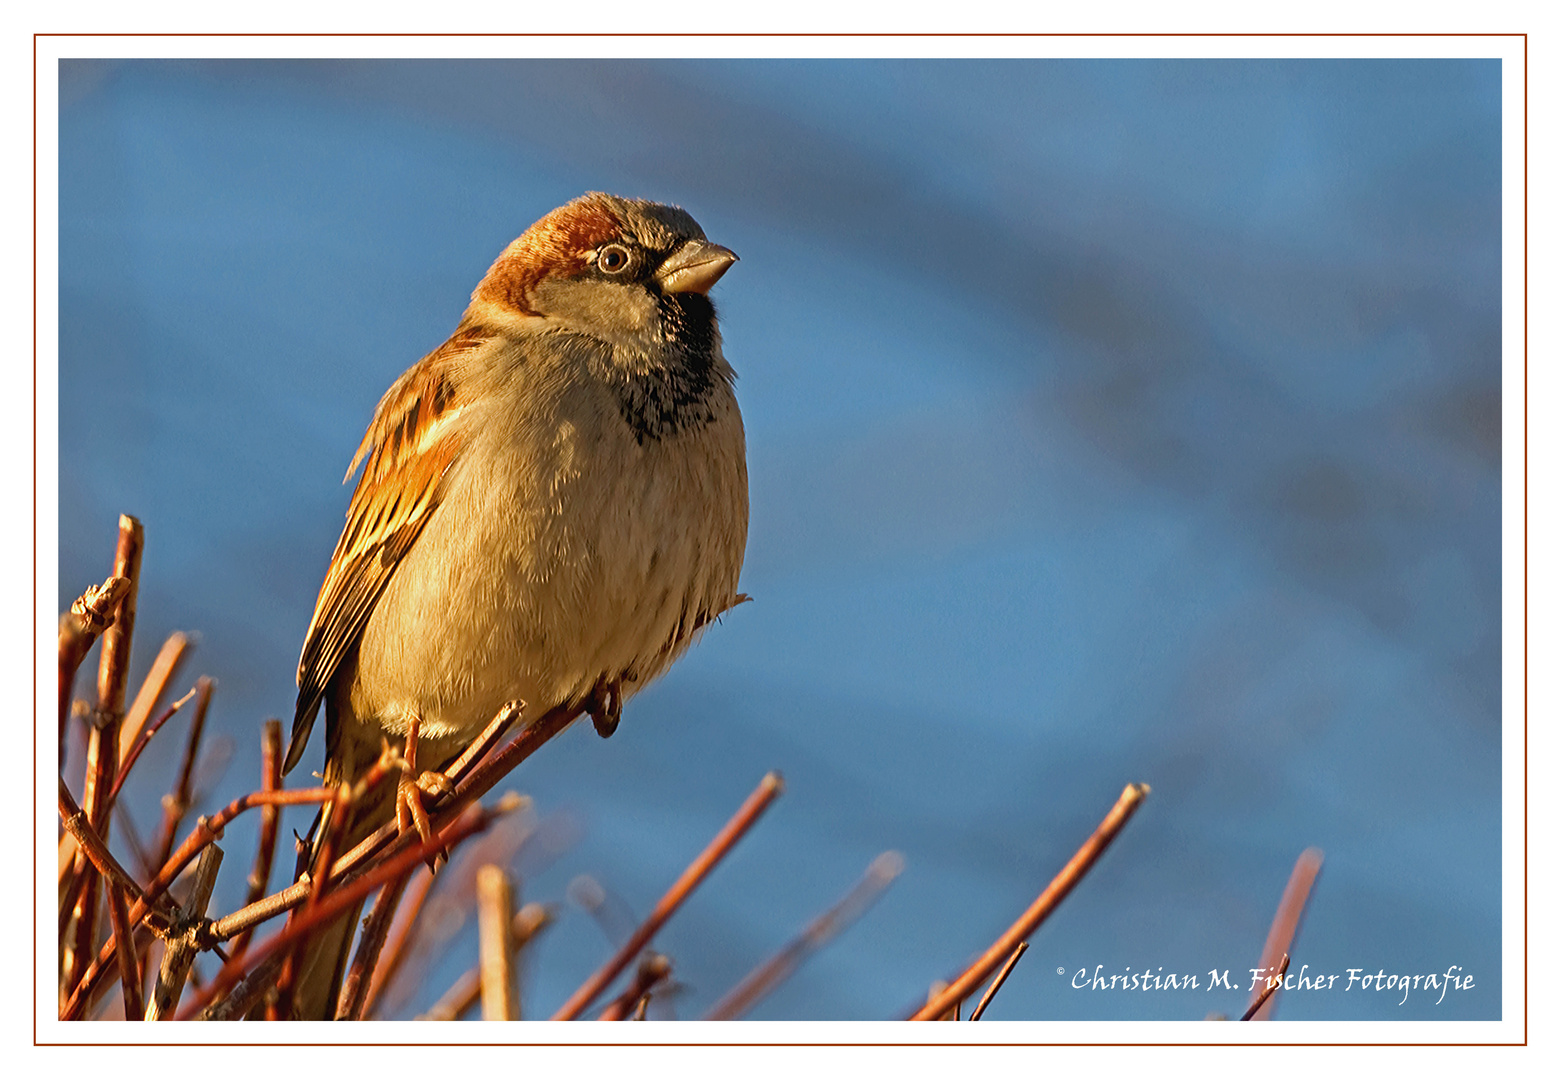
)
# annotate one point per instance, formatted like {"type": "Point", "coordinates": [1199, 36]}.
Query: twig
{"type": "Point", "coordinates": [177, 803]}
{"type": "Point", "coordinates": [152, 688]}
{"type": "Point", "coordinates": [1287, 921]}
{"type": "Point", "coordinates": [767, 791]}
{"type": "Point", "coordinates": [103, 746]}
{"type": "Point", "coordinates": [180, 951]}
{"type": "Point", "coordinates": [134, 750]}
{"type": "Point", "coordinates": [206, 832]}
{"type": "Point", "coordinates": [270, 818]}
{"type": "Point", "coordinates": [465, 991]}
{"type": "Point", "coordinates": [336, 813]}
{"type": "Point", "coordinates": [1270, 988]}
{"type": "Point", "coordinates": [340, 899]}
{"type": "Point", "coordinates": [997, 983]}
{"type": "Point", "coordinates": [91, 845]}
{"type": "Point", "coordinates": [366, 856]}
{"type": "Point", "coordinates": [355, 986]}
{"type": "Point", "coordinates": [1054, 893]}
{"type": "Point", "coordinates": [90, 615]}
{"type": "Point", "coordinates": [129, 970]}
{"type": "Point", "coordinates": [650, 973]}
{"type": "Point", "coordinates": [495, 902]}
{"type": "Point", "coordinates": [758, 983]}
{"type": "Point", "coordinates": [400, 938]}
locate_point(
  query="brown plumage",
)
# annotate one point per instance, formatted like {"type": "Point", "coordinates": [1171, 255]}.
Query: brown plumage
{"type": "Point", "coordinates": [553, 503]}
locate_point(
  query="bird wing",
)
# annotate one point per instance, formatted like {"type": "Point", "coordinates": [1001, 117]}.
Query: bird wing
{"type": "Point", "coordinates": [405, 454]}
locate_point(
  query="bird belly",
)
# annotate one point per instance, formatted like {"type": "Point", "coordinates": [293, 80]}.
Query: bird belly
{"type": "Point", "coordinates": [580, 558]}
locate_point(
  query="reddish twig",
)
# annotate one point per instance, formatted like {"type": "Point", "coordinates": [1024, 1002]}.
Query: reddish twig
{"type": "Point", "coordinates": [1287, 921]}
{"type": "Point", "coordinates": [1270, 988]}
{"type": "Point", "coordinates": [355, 987]}
{"type": "Point", "coordinates": [336, 813]}
{"type": "Point", "coordinates": [134, 750]}
{"type": "Point", "coordinates": [177, 802]}
{"type": "Point", "coordinates": [206, 832]}
{"type": "Point", "coordinates": [481, 778]}
{"type": "Point", "coordinates": [1044, 905]}
{"type": "Point", "coordinates": [102, 860]}
{"type": "Point", "coordinates": [103, 747]}
{"type": "Point", "coordinates": [997, 983]}
{"type": "Point", "coordinates": [129, 969]}
{"type": "Point", "coordinates": [270, 818]}
{"type": "Point", "coordinates": [758, 983]}
{"type": "Point", "coordinates": [368, 855]}
{"type": "Point", "coordinates": [152, 688]}
{"type": "Point", "coordinates": [343, 898]}
{"type": "Point", "coordinates": [767, 791]}
{"type": "Point", "coordinates": [398, 941]}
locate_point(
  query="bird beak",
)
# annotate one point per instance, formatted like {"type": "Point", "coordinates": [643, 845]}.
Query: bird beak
{"type": "Point", "coordinates": [694, 267]}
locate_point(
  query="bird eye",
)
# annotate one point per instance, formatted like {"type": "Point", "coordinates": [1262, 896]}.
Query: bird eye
{"type": "Point", "coordinates": [612, 259]}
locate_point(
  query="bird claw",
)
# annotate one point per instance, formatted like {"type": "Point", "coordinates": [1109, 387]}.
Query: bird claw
{"type": "Point", "coordinates": [410, 811]}
{"type": "Point", "coordinates": [606, 708]}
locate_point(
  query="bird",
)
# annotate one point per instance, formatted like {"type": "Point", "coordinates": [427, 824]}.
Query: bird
{"type": "Point", "coordinates": [553, 505]}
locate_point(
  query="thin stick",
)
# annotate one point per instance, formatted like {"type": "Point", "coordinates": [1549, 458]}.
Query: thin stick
{"type": "Point", "coordinates": [355, 986]}
{"type": "Point", "coordinates": [1287, 921]}
{"type": "Point", "coordinates": [134, 750]}
{"type": "Point", "coordinates": [767, 791]}
{"type": "Point", "coordinates": [180, 951]}
{"type": "Point", "coordinates": [206, 831]}
{"type": "Point", "coordinates": [1054, 893]}
{"type": "Point", "coordinates": [1271, 987]}
{"type": "Point", "coordinates": [367, 854]}
{"type": "Point", "coordinates": [482, 778]}
{"type": "Point", "coordinates": [399, 940]}
{"type": "Point", "coordinates": [103, 744]}
{"type": "Point", "coordinates": [177, 803]}
{"type": "Point", "coordinates": [997, 983]}
{"type": "Point", "coordinates": [129, 969]}
{"type": "Point", "coordinates": [340, 899]}
{"type": "Point", "coordinates": [651, 972]}
{"type": "Point", "coordinates": [270, 818]}
{"type": "Point", "coordinates": [74, 819]}
{"type": "Point", "coordinates": [90, 615]}
{"type": "Point", "coordinates": [464, 993]}
{"type": "Point", "coordinates": [169, 657]}
{"type": "Point", "coordinates": [758, 983]}
{"type": "Point", "coordinates": [495, 902]}
{"type": "Point", "coordinates": [336, 813]}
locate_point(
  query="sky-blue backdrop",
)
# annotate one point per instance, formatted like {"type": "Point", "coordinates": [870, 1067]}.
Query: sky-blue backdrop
{"type": "Point", "coordinates": [1108, 421]}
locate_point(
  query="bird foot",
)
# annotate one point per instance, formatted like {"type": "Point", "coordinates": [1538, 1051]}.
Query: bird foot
{"type": "Point", "coordinates": [410, 811]}
{"type": "Point", "coordinates": [606, 707]}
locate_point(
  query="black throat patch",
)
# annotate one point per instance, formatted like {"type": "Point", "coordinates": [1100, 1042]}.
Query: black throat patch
{"type": "Point", "coordinates": [674, 393]}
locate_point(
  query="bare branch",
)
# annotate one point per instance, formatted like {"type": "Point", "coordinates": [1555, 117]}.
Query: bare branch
{"type": "Point", "coordinates": [758, 983]}
{"type": "Point", "coordinates": [997, 983]}
{"type": "Point", "coordinates": [1054, 893]}
{"type": "Point", "coordinates": [734, 830]}
{"type": "Point", "coordinates": [180, 951]}
{"type": "Point", "coordinates": [1287, 921]}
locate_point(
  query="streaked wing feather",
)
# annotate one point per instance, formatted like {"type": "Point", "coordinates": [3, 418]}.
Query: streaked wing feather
{"type": "Point", "coordinates": [406, 452]}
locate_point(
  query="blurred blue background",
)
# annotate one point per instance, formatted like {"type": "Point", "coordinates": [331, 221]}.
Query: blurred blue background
{"type": "Point", "coordinates": [1108, 421]}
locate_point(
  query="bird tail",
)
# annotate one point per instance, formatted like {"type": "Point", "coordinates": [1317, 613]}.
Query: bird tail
{"type": "Point", "coordinates": [321, 964]}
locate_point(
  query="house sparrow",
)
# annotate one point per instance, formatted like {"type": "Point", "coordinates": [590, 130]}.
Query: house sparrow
{"type": "Point", "coordinates": [553, 503]}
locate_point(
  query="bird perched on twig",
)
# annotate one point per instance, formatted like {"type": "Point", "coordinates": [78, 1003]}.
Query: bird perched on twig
{"type": "Point", "coordinates": [553, 503]}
